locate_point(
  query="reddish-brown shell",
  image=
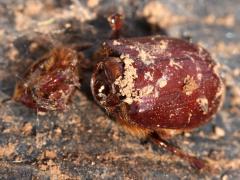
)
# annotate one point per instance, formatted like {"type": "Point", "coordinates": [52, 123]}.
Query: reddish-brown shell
{"type": "Point", "coordinates": [157, 82]}
{"type": "Point", "coordinates": [50, 81]}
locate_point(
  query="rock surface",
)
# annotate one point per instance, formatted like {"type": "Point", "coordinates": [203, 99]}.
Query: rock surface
{"type": "Point", "coordinates": [83, 142]}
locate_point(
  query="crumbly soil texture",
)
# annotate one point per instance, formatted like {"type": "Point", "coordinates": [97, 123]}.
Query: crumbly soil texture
{"type": "Point", "coordinates": [83, 142]}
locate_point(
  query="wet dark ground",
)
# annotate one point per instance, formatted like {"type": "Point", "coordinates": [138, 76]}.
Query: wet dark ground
{"type": "Point", "coordinates": [83, 142]}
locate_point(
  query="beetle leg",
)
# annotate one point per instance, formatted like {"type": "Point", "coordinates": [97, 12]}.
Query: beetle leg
{"type": "Point", "coordinates": [81, 47]}
{"type": "Point", "coordinates": [5, 100]}
{"type": "Point", "coordinates": [193, 161]}
{"type": "Point", "coordinates": [116, 23]}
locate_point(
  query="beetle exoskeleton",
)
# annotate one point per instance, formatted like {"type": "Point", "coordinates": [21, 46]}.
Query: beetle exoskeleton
{"type": "Point", "coordinates": [157, 87]}
{"type": "Point", "coordinates": [162, 82]}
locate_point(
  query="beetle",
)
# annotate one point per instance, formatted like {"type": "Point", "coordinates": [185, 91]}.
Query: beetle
{"type": "Point", "coordinates": [157, 87]}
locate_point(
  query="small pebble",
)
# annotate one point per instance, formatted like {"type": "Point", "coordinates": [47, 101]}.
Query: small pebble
{"type": "Point", "coordinates": [219, 132]}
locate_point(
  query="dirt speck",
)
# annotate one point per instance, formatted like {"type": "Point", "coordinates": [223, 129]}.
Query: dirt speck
{"type": "Point", "coordinates": [226, 49]}
{"type": "Point", "coordinates": [50, 154]}
{"type": "Point", "coordinates": [54, 170]}
{"type": "Point", "coordinates": [2, 32]}
{"type": "Point", "coordinates": [235, 100]}
{"type": "Point", "coordinates": [92, 3]}
{"type": "Point", "coordinates": [219, 132]}
{"type": "Point", "coordinates": [33, 8]}
{"type": "Point", "coordinates": [101, 94]}
{"type": "Point", "coordinates": [12, 53]}
{"type": "Point", "coordinates": [7, 150]}
{"type": "Point", "coordinates": [41, 139]}
{"type": "Point", "coordinates": [27, 129]}
{"type": "Point", "coordinates": [163, 45]}
{"type": "Point", "coordinates": [199, 76]}
{"type": "Point", "coordinates": [203, 104]}
{"type": "Point", "coordinates": [189, 117]}
{"type": "Point", "coordinates": [162, 82]}
{"type": "Point", "coordinates": [189, 85]}
{"type": "Point", "coordinates": [145, 91]}
{"type": "Point", "coordinates": [173, 63]}
{"type": "Point", "coordinates": [148, 76]}
{"type": "Point", "coordinates": [126, 83]}
{"type": "Point", "coordinates": [225, 177]}
{"type": "Point", "coordinates": [228, 20]}
{"type": "Point", "coordinates": [116, 43]}
{"type": "Point", "coordinates": [7, 118]}
{"type": "Point", "coordinates": [145, 57]}
{"type": "Point", "coordinates": [159, 14]}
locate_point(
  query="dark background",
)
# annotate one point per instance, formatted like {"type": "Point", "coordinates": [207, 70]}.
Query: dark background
{"type": "Point", "coordinates": [83, 142]}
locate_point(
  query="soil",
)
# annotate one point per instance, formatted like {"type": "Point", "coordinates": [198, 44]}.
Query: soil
{"type": "Point", "coordinates": [83, 142]}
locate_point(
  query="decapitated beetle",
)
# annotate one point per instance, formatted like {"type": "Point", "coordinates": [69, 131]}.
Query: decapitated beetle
{"type": "Point", "coordinates": [157, 86]}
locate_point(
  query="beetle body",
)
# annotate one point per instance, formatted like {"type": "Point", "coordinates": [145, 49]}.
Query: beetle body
{"type": "Point", "coordinates": [156, 83]}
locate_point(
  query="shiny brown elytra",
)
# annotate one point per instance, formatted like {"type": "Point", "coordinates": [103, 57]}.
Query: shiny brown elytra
{"type": "Point", "coordinates": [50, 81]}
{"type": "Point", "coordinates": [158, 86]}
